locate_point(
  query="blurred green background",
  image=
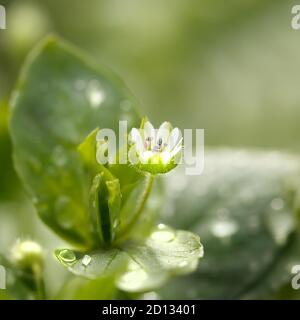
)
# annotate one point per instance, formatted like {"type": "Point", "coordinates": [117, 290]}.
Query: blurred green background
{"type": "Point", "coordinates": [230, 67]}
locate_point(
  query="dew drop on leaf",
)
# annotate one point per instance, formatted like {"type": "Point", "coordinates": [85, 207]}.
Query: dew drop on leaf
{"type": "Point", "coordinates": [133, 278]}
{"type": "Point", "coordinates": [67, 256]}
{"type": "Point", "coordinates": [95, 94]}
{"type": "Point", "coordinates": [86, 260]}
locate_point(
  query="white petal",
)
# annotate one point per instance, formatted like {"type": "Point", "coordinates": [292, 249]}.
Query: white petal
{"type": "Point", "coordinates": [149, 133]}
{"type": "Point", "coordinates": [163, 133]}
{"type": "Point", "coordinates": [137, 139]}
{"type": "Point", "coordinates": [132, 155]}
{"type": "Point", "coordinates": [177, 148]}
{"type": "Point", "coordinates": [166, 157]}
{"type": "Point", "coordinates": [134, 133]}
{"type": "Point", "coordinates": [145, 156]}
{"type": "Point", "coordinates": [174, 139]}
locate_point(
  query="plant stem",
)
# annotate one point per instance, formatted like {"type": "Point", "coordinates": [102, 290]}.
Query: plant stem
{"type": "Point", "coordinates": [39, 283]}
{"type": "Point", "coordinates": [140, 209]}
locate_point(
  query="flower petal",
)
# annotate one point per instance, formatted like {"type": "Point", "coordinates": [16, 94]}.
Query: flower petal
{"type": "Point", "coordinates": [146, 156]}
{"type": "Point", "coordinates": [149, 134]}
{"type": "Point", "coordinates": [137, 139]}
{"type": "Point", "coordinates": [174, 139]}
{"type": "Point", "coordinates": [166, 157]}
{"type": "Point", "coordinates": [177, 148]}
{"type": "Point", "coordinates": [163, 134]}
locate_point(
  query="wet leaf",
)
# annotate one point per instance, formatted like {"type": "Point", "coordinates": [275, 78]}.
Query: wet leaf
{"type": "Point", "coordinates": [244, 208]}
{"type": "Point", "coordinates": [141, 267]}
{"type": "Point", "coordinates": [79, 288]}
{"type": "Point", "coordinates": [118, 194]}
{"type": "Point", "coordinates": [60, 98]}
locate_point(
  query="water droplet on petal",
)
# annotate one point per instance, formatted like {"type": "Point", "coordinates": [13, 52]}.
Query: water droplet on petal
{"type": "Point", "coordinates": [164, 234]}
{"type": "Point", "coordinates": [133, 278]}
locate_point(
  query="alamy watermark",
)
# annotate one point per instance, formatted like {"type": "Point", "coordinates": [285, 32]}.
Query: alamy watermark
{"type": "Point", "coordinates": [2, 278]}
{"type": "Point", "coordinates": [148, 146]}
{"type": "Point", "coordinates": [295, 22]}
{"type": "Point", "coordinates": [2, 18]}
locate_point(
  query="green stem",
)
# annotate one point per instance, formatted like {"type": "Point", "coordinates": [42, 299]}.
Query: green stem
{"type": "Point", "coordinates": [39, 283]}
{"type": "Point", "coordinates": [135, 218]}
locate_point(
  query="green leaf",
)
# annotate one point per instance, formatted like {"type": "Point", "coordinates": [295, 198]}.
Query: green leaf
{"type": "Point", "coordinates": [141, 267]}
{"type": "Point", "coordinates": [135, 189]}
{"type": "Point", "coordinates": [60, 98]}
{"type": "Point", "coordinates": [243, 205]}
{"type": "Point", "coordinates": [9, 182]}
{"type": "Point", "coordinates": [79, 288]}
{"type": "Point", "coordinates": [105, 201]}
{"type": "Point", "coordinates": [119, 199]}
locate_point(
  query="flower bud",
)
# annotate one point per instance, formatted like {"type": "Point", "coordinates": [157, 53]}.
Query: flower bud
{"type": "Point", "coordinates": [27, 255]}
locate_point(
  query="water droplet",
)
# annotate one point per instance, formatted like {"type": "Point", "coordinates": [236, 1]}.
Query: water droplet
{"type": "Point", "coordinates": [277, 204]}
{"type": "Point", "coordinates": [164, 234]}
{"type": "Point", "coordinates": [95, 94]}
{"type": "Point", "coordinates": [59, 156]}
{"type": "Point", "coordinates": [133, 278]}
{"type": "Point", "coordinates": [86, 260]}
{"type": "Point", "coordinates": [67, 256]}
{"type": "Point", "coordinates": [224, 228]}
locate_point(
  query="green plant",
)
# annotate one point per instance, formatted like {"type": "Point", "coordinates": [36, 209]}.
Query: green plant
{"type": "Point", "coordinates": [59, 103]}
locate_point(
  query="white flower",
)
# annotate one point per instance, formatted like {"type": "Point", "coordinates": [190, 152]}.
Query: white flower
{"type": "Point", "coordinates": [27, 254]}
{"type": "Point", "coordinates": [155, 151]}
